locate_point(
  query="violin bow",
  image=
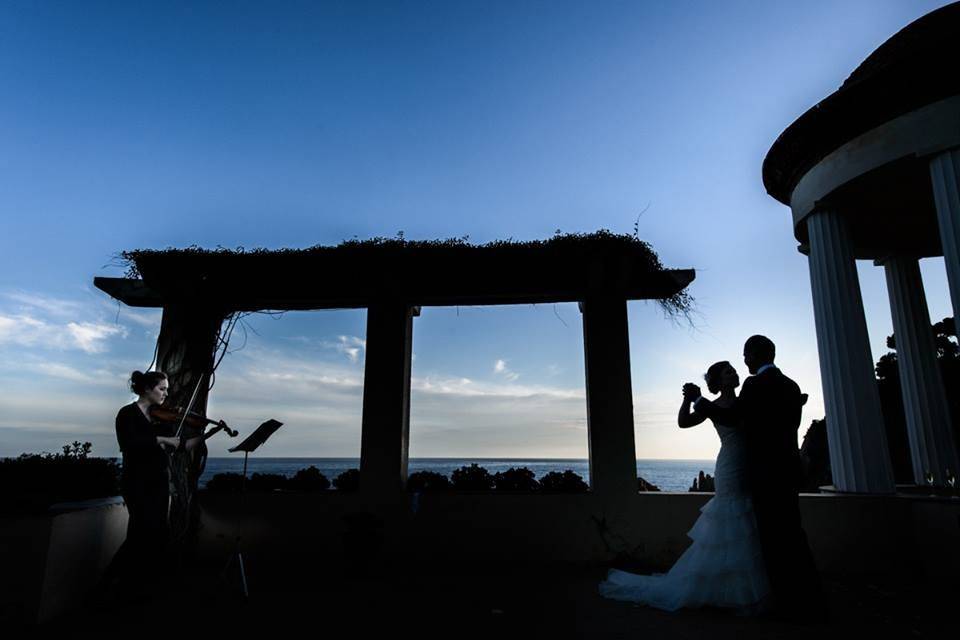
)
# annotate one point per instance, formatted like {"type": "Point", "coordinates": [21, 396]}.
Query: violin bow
{"type": "Point", "coordinates": [190, 405]}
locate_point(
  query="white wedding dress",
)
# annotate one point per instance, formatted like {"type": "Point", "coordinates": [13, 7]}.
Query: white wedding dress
{"type": "Point", "coordinates": [723, 567]}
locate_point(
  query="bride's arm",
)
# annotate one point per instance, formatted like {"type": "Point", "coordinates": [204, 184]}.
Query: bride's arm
{"type": "Point", "coordinates": [731, 415]}
{"type": "Point", "coordinates": [686, 419]}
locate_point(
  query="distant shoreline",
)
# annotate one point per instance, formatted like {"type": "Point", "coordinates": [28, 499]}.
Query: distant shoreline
{"type": "Point", "coordinates": [666, 474]}
{"type": "Point", "coordinates": [710, 460]}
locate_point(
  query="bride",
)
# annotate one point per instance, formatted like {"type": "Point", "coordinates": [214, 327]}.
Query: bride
{"type": "Point", "coordinates": [723, 567]}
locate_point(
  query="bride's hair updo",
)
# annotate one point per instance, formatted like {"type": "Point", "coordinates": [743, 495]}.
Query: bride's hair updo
{"type": "Point", "coordinates": [141, 382]}
{"type": "Point", "coordinates": [713, 375]}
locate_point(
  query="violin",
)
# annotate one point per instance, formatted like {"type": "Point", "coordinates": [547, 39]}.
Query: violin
{"type": "Point", "coordinates": [190, 418]}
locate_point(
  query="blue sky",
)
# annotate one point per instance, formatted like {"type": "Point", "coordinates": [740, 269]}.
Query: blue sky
{"type": "Point", "coordinates": [293, 124]}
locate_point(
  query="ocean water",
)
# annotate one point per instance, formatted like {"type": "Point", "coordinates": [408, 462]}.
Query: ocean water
{"type": "Point", "coordinates": [668, 475]}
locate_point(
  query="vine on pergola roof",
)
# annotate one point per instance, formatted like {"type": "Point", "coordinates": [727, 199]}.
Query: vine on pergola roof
{"type": "Point", "coordinates": [676, 305]}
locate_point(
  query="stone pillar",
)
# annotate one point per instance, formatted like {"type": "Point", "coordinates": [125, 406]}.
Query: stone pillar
{"type": "Point", "coordinates": [186, 348]}
{"type": "Point", "coordinates": [932, 449]}
{"type": "Point", "coordinates": [185, 351]}
{"type": "Point", "coordinates": [945, 174]}
{"type": "Point", "coordinates": [859, 457]}
{"type": "Point", "coordinates": [606, 346]}
{"type": "Point", "coordinates": [385, 437]}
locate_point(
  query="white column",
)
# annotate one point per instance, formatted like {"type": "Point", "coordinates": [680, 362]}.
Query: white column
{"type": "Point", "coordinates": [945, 174]}
{"type": "Point", "coordinates": [932, 449]}
{"type": "Point", "coordinates": [859, 457]}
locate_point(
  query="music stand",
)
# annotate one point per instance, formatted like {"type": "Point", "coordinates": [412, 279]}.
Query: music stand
{"type": "Point", "coordinates": [249, 444]}
{"type": "Point", "coordinates": [254, 440]}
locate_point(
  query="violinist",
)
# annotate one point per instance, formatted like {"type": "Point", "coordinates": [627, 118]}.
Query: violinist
{"type": "Point", "coordinates": [144, 485]}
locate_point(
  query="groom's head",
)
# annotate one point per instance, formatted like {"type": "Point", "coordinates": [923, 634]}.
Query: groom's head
{"type": "Point", "coordinates": [758, 351]}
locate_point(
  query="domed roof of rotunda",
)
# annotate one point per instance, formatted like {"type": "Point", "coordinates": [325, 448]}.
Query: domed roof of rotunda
{"type": "Point", "coordinates": [914, 68]}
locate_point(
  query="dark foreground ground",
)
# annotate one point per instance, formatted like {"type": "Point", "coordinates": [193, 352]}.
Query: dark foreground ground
{"type": "Point", "coordinates": [458, 604]}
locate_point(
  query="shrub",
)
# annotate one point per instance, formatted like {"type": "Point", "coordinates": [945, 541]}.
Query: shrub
{"type": "Point", "coordinates": [815, 455]}
{"type": "Point", "coordinates": [566, 482]}
{"type": "Point", "coordinates": [32, 482]}
{"type": "Point", "coordinates": [427, 481]}
{"type": "Point", "coordinates": [267, 482]}
{"type": "Point", "coordinates": [643, 485]}
{"type": "Point", "coordinates": [514, 479]}
{"type": "Point", "coordinates": [225, 483]}
{"type": "Point", "coordinates": [472, 478]}
{"type": "Point", "coordinates": [349, 480]}
{"type": "Point", "coordinates": [309, 479]}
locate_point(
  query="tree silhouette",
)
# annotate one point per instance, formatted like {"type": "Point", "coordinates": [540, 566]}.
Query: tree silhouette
{"type": "Point", "coordinates": [512, 479]}
{"type": "Point", "coordinates": [472, 478]}
{"type": "Point", "coordinates": [427, 481]}
{"type": "Point", "coordinates": [566, 482]}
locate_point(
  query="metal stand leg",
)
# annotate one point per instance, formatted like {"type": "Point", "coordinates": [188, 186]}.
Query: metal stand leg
{"type": "Point", "coordinates": [243, 575]}
{"type": "Point", "coordinates": [238, 556]}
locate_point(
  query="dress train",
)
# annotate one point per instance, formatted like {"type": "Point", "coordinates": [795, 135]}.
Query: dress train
{"type": "Point", "coordinates": [723, 567]}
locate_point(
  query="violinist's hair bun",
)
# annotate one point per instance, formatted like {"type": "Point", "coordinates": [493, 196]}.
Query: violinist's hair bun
{"type": "Point", "coordinates": [141, 382]}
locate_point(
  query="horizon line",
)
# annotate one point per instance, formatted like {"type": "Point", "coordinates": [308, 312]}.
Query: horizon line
{"type": "Point", "coordinates": [446, 458]}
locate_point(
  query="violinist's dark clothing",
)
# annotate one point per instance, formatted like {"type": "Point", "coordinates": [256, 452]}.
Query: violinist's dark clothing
{"type": "Point", "coordinates": [144, 483]}
{"type": "Point", "coordinates": [143, 458]}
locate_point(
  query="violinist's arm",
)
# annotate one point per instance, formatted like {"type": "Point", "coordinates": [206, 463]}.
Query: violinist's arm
{"type": "Point", "coordinates": [171, 441]}
{"type": "Point", "coordinates": [193, 443]}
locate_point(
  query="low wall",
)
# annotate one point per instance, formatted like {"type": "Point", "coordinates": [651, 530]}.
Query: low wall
{"type": "Point", "coordinates": [646, 532]}
{"type": "Point", "coordinates": [50, 561]}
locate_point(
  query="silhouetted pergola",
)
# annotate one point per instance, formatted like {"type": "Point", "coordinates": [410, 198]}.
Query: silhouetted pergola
{"type": "Point", "coordinates": [392, 280]}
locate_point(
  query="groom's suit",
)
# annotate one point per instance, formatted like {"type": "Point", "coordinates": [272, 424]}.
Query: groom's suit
{"type": "Point", "coordinates": [768, 410]}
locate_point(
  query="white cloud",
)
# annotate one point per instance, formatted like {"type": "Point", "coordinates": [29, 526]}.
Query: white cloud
{"type": "Point", "coordinates": [28, 331]}
{"type": "Point", "coordinates": [460, 386]}
{"type": "Point", "coordinates": [351, 346]}
{"type": "Point", "coordinates": [500, 368]}
{"type": "Point", "coordinates": [101, 377]}
{"type": "Point", "coordinates": [59, 307]}
{"type": "Point", "coordinates": [39, 321]}
{"type": "Point", "coordinates": [60, 370]}
{"type": "Point", "coordinates": [90, 336]}
{"type": "Point", "coordinates": [148, 318]}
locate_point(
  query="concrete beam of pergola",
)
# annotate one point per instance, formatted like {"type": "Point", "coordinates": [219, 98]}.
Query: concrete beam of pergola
{"type": "Point", "coordinates": [251, 282]}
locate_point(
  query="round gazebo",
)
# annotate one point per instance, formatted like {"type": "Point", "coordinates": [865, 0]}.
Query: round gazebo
{"type": "Point", "coordinates": [873, 172]}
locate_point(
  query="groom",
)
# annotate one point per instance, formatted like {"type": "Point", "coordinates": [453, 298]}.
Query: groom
{"type": "Point", "coordinates": [768, 410]}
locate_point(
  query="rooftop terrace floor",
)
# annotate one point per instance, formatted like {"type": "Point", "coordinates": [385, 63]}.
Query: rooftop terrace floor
{"type": "Point", "coordinates": [532, 604]}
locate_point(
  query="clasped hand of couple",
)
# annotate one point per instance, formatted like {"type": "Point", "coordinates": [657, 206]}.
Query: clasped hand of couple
{"type": "Point", "coordinates": [691, 392]}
